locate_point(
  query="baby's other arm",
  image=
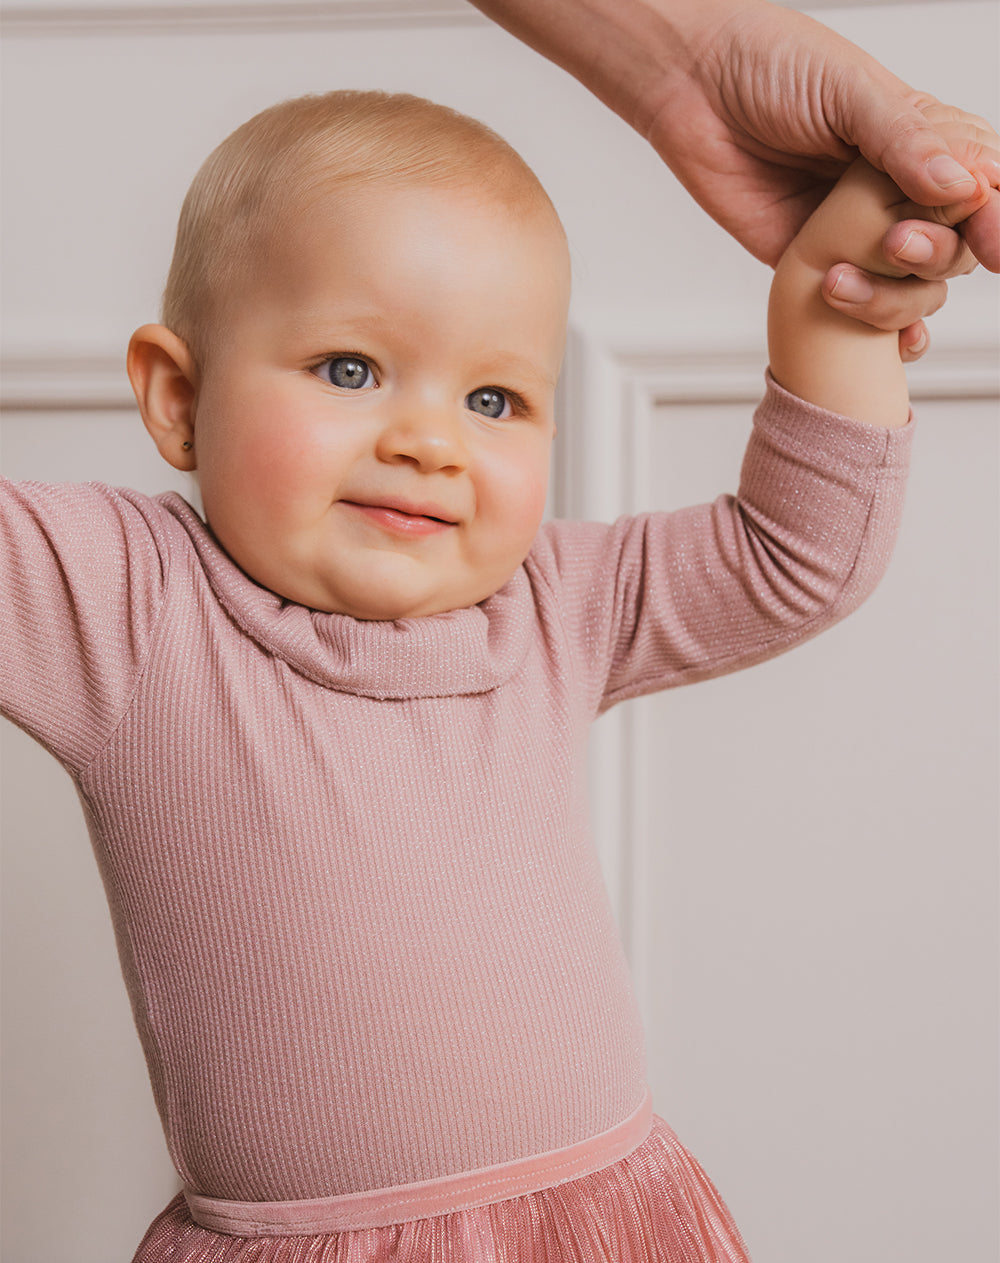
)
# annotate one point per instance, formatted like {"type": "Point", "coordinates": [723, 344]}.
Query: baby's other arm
{"type": "Point", "coordinates": [815, 352]}
{"type": "Point", "coordinates": [83, 578]}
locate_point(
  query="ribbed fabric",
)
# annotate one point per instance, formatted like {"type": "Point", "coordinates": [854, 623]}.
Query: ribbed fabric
{"type": "Point", "coordinates": [359, 914]}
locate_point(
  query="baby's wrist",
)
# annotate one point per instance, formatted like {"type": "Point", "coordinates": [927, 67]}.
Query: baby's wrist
{"type": "Point", "coordinates": [827, 356]}
{"type": "Point", "coordinates": [849, 227]}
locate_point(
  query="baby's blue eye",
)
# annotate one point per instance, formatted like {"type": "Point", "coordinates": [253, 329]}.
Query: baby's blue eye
{"type": "Point", "coordinates": [489, 403]}
{"type": "Point", "coordinates": [349, 372]}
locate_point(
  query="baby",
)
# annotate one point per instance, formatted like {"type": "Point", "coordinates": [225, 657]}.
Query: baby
{"type": "Point", "coordinates": [331, 744]}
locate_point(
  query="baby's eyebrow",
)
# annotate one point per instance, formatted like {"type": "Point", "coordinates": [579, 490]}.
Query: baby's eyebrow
{"type": "Point", "coordinates": [514, 367]}
{"type": "Point", "coordinates": [322, 322]}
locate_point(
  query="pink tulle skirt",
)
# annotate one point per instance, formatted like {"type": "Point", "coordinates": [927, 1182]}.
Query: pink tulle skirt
{"type": "Point", "coordinates": [655, 1206]}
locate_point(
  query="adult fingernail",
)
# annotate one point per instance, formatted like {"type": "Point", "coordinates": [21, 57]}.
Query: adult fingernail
{"type": "Point", "coordinates": [852, 286]}
{"type": "Point", "coordinates": [917, 248]}
{"type": "Point", "coordinates": [948, 174]}
{"type": "Point", "coordinates": [919, 344]}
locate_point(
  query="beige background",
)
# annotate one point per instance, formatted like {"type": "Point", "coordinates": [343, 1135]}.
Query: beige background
{"type": "Point", "coordinates": [803, 856]}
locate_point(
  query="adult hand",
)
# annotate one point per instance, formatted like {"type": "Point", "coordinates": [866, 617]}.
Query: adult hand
{"type": "Point", "coordinates": [758, 109]}
{"type": "Point", "coordinates": [770, 106]}
{"type": "Point", "coordinates": [782, 99]}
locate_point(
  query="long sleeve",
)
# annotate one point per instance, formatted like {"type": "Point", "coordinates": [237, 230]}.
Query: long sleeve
{"type": "Point", "coordinates": [665, 599]}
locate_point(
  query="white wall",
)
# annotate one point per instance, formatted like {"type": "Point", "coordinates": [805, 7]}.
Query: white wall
{"type": "Point", "coordinates": [825, 1035]}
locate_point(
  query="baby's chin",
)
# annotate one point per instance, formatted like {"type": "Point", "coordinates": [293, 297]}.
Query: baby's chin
{"type": "Point", "coordinates": [391, 608]}
{"type": "Point", "coordinates": [373, 585]}
{"type": "Point", "coordinates": [373, 606]}
{"type": "Point", "coordinates": [374, 603]}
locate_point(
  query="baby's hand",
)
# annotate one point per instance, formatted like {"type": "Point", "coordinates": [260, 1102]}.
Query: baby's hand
{"type": "Point", "coordinates": [919, 251]}
{"type": "Point", "coordinates": [826, 357]}
{"type": "Point", "coordinates": [926, 247]}
{"type": "Point", "coordinates": [851, 223]}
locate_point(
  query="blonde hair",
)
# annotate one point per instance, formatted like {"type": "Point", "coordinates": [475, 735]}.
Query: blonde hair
{"type": "Point", "coordinates": [271, 165]}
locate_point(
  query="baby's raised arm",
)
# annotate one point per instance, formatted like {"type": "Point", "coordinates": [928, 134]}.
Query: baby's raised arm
{"type": "Point", "coordinates": [815, 352]}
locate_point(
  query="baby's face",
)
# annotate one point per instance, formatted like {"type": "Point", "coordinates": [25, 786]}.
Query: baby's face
{"type": "Point", "coordinates": [374, 419]}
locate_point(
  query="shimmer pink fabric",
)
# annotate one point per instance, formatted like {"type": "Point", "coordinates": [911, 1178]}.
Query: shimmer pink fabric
{"type": "Point", "coordinates": [381, 1207]}
{"type": "Point", "coordinates": [359, 914]}
{"type": "Point", "coordinates": [655, 1206]}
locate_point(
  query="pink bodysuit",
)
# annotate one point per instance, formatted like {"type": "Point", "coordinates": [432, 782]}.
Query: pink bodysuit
{"type": "Point", "coordinates": [359, 913]}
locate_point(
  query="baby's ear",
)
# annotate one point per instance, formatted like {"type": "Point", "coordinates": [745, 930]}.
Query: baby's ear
{"type": "Point", "coordinates": [164, 377]}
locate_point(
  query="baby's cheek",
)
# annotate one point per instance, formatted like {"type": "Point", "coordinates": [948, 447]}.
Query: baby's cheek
{"type": "Point", "coordinates": [522, 502]}
{"type": "Point", "coordinates": [279, 467]}
{"type": "Point", "coordinates": [274, 448]}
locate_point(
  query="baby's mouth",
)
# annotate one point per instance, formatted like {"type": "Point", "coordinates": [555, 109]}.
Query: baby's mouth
{"type": "Point", "coordinates": [403, 518]}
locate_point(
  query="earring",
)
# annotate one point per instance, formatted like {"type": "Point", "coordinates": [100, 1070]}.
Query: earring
{"type": "Point", "coordinates": [187, 445]}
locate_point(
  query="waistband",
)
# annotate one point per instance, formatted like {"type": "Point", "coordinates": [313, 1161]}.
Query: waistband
{"type": "Point", "coordinates": [378, 1208]}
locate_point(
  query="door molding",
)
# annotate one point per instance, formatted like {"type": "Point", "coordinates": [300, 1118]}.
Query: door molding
{"type": "Point", "coordinates": [618, 374]}
{"type": "Point", "coordinates": [85, 17]}
{"type": "Point", "coordinates": [90, 18]}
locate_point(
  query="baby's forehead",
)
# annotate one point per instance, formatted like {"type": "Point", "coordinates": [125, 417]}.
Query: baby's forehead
{"type": "Point", "coordinates": [512, 198]}
{"type": "Point", "coordinates": [322, 207]}
{"type": "Point", "coordinates": [386, 266]}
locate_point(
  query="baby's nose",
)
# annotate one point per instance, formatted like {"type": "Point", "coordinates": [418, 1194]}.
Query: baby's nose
{"type": "Point", "coordinates": [431, 437]}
